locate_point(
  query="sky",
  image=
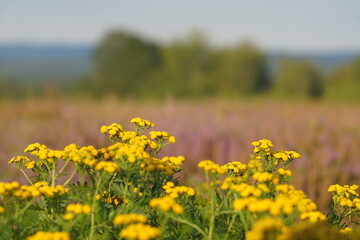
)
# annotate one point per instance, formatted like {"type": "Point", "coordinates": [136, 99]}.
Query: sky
{"type": "Point", "coordinates": [303, 25]}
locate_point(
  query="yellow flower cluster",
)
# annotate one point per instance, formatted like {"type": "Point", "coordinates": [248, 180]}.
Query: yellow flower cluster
{"type": "Point", "coordinates": [284, 172]}
{"type": "Point", "coordinates": [247, 190]}
{"type": "Point", "coordinates": [49, 191]}
{"type": "Point", "coordinates": [166, 203]}
{"type": "Point", "coordinates": [275, 206]}
{"type": "Point", "coordinates": [44, 153]}
{"type": "Point", "coordinates": [23, 160]}
{"type": "Point", "coordinates": [285, 155]}
{"type": "Point", "coordinates": [162, 135]}
{"type": "Point", "coordinates": [177, 161]}
{"type": "Point", "coordinates": [114, 130]}
{"type": "Point", "coordinates": [30, 164]}
{"type": "Point", "coordinates": [70, 148]}
{"type": "Point", "coordinates": [266, 177]}
{"type": "Point", "coordinates": [229, 181]}
{"type": "Point", "coordinates": [26, 192]}
{"type": "Point", "coordinates": [143, 142]}
{"type": "Point", "coordinates": [345, 195]}
{"type": "Point", "coordinates": [142, 122]}
{"type": "Point", "coordinates": [264, 228]}
{"type": "Point", "coordinates": [263, 144]}
{"type": "Point", "coordinates": [34, 191]}
{"type": "Point", "coordinates": [124, 151]}
{"type": "Point", "coordinates": [19, 159]}
{"type": "Point", "coordinates": [153, 164]}
{"type": "Point", "coordinates": [174, 192]}
{"type": "Point", "coordinates": [6, 188]}
{"type": "Point", "coordinates": [210, 166]}
{"type": "Point", "coordinates": [40, 235]}
{"type": "Point", "coordinates": [91, 156]}
{"type": "Point", "coordinates": [129, 218]}
{"type": "Point", "coordinates": [284, 188]}
{"type": "Point", "coordinates": [296, 197]}
{"type": "Point", "coordinates": [126, 136]}
{"type": "Point", "coordinates": [76, 209]}
{"type": "Point", "coordinates": [85, 155]}
{"type": "Point", "coordinates": [236, 168]}
{"type": "Point", "coordinates": [140, 231]}
{"type": "Point", "coordinates": [346, 230]}
{"type": "Point", "coordinates": [313, 216]}
{"type": "Point", "coordinates": [107, 166]}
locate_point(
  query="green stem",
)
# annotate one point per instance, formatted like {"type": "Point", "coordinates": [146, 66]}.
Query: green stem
{"type": "Point", "coordinates": [21, 170]}
{"type": "Point", "coordinates": [230, 226]}
{"type": "Point", "coordinates": [92, 223]}
{"type": "Point", "coordinates": [224, 199]}
{"type": "Point", "coordinates": [189, 224]}
{"type": "Point", "coordinates": [63, 168]}
{"type": "Point", "coordinates": [212, 210]}
{"type": "Point", "coordinates": [228, 212]}
{"type": "Point", "coordinates": [212, 217]}
{"type": "Point", "coordinates": [244, 223]}
{"type": "Point", "coordinates": [69, 179]}
{"type": "Point", "coordinates": [111, 181]}
{"type": "Point", "coordinates": [24, 208]}
{"type": "Point", "coordinates": [53, 175]}
{"type": "Point", "coordinates": [126, 187]}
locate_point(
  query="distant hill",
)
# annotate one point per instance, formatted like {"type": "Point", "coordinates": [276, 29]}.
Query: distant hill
{"type": "Point", "coordinates": [44, 63]}
{"type": "Point", "coordinates": [68, 63]}
{"type": "Point", "coordinates": [325, 61]}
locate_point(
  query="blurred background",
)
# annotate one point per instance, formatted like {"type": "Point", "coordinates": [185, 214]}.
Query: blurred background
{"type": "Point", "coordinates": [216, 75]}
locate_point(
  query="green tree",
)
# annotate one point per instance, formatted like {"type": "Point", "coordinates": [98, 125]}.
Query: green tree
{"type": "Point", "coordinates": [186, 67]}
{"type": "Point", "coordinates": [298, 79]}
{"type": "Point", "coordinates": [344, 83]}
{"type": "Point", "coordinates": [241, 70]}
{"type": "Point", "coordinates": [123, 64]}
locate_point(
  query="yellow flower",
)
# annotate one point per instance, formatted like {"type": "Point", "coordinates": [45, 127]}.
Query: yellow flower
{"type": "Point", "coordinates": [78, 208]}
{"type": "Point", "coordinates": [313, 216]}
{"type": "Point", "coordinates": [110, 167]}
{"type": "Point", "coordinates": [263, 227]}
{"type": "Point", "coordinates": [129, 218]}
{"type": "Point", "coordinates": [142, 122]}
{"type": "Point", "coordinates": [211, 167]}
{"type": "Point", "coordinates": [175, 191]}
{"type": "Point", "coordinates": [346, 230]}
{"type": "Point", "coordinates": [140, 231]}
{"type": "Point", "coordinates": [166, 203]}
{"type": "Point", "coordinates": [158, 135]}
{"type": "Point", "coordinates": [30, 164]}
{"type": "Point", "coordinates": [40, 235]}
{"type": "Point", "coordinates": [172, 139]}
{"type": "Point", "coordinates": [69, 216]}
{"type": "Point", "coordinates": [19, 159]}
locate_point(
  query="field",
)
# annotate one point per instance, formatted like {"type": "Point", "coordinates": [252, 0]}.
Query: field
{"type": "Point", "coordinates": [326, 134]}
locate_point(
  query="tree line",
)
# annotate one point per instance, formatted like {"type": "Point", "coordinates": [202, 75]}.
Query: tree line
{"type": "Point", "coordinates": [129, 66]}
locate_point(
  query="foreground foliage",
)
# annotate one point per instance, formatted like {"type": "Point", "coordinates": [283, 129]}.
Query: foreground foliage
{"type": "Point", "coordinates": [124, 191]}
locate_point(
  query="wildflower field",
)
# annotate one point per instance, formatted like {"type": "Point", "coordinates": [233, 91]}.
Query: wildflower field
{"type": "Point", "coordinates": [92, 171]}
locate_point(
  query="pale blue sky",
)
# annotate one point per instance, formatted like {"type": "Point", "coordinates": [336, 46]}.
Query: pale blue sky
{"type": "Point", "coordinates": [311, 25]}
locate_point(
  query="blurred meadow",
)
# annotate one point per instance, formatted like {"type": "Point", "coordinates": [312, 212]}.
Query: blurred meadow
{"type": "Point", "coordinates": [326, 134]}
{"type": "Point", "coordinates": [214, 98]}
